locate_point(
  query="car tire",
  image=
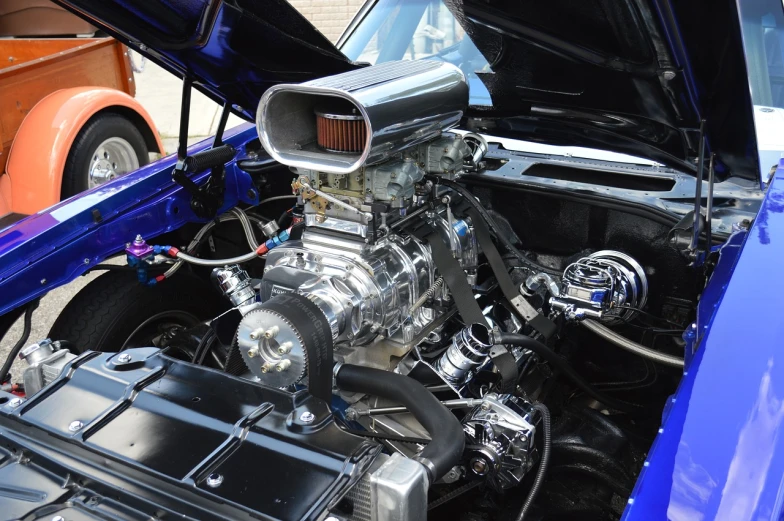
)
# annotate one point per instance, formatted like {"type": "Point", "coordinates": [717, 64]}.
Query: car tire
{"type": "Point", "coordinates": [116, 312]}
{"type": "Point", "coordinates": [112, 136]}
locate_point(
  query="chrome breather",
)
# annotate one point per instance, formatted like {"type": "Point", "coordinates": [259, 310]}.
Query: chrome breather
{"type": "Point", "coordinates": [235, 283]}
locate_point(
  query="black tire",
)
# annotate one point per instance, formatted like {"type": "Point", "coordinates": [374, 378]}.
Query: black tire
{"type": "Point", "coordinates": [98, 129]}
{"type": "Point", "coordinates": [109, 310]}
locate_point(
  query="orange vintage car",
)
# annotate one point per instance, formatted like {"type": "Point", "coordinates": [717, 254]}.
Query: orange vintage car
{"type": "Point", "coordinates": [68, 119]}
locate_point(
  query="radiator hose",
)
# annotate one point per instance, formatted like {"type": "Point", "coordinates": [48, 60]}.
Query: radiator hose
{"type": "Point", "coordinates": [447, 440]}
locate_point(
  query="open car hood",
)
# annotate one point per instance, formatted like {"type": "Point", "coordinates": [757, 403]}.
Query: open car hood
{"type": "Point", "coordinates": [632, 76]}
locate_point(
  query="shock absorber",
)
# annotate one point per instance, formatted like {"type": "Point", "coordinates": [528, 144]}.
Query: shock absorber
{"type": "Point", "coordinates": [469, 350]}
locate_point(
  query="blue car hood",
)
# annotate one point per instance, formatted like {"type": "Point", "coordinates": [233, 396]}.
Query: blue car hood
{"type": "Point", "coordinates": [632, 76]}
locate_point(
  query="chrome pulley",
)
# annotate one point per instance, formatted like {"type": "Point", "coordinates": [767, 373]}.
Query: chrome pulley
{"type": "Point", "coordinates": [272, 348]}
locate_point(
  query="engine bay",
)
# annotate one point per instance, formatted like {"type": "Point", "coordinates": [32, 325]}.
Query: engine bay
{"type": "Point", "coordinates": [411, 339]}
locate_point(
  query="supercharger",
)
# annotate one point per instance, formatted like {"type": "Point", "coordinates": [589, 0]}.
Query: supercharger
{"type": "Point", "coordinates": [360, 175]}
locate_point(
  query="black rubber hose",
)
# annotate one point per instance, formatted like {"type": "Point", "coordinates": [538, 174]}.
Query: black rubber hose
{"type": "Point", "coordinates": [446, 448]}
{"type": "Point", "coordinates": [562, 365]}
{"type": "Point", "coordinates": [28, 326]}
{"type": "Point", "coordinates": [543, 463]}
{"type": "Point", "coordinates": [469, 197]}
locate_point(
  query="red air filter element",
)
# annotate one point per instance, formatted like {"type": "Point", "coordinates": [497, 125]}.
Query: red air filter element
{"type": "Point", "coordinates": [340, 133]}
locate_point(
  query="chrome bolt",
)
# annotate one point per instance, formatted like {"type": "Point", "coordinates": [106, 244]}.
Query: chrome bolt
{"type": "Point", "coordinates": [266, 368]}
{"type": "Point", "coordinates": [284, 348]}
{"type": "Point", "coordinates": [124, 358]}
{"type": "Point", "coordinates": [86, 260]}
{"type": "Point", "coordinates": [214, 480]}
{"type": "Point", "coordinates": [485, 406]}
{"type": "Point", "coordinates": [16, 402]}
{"type": "Point", "coordinates": [256, 334]}
{"type": "Point", "coordinates": [283, 365]}
{"type": "Point", "coordinates": [75, 426]}
{"type": "Point", "coordinates": [479, 466]}
{"type": "Point", "coordinates": [307, 417]}
{"type": "Point", "coordinates": [43, 282]}
{"type": "Point", "coordinates": [253, 352]}
{"type": "Point", "coordinates": [271, 332]}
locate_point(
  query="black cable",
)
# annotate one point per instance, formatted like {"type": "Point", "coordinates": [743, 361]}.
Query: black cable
{"type": "Point", "coordinates": [651, 315]}
{"type": "Point", "coordinates": [28, 326]}
{"type": "Point", "coordinates": [546, 446]}
{"type": "Point", "coordinates": [203, 348]}
{"type": "Point", "coordinates": [563, 366]}
{"type": "Point", "coordinates": [469, 197]}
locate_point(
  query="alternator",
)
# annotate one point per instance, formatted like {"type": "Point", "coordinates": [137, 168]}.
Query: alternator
{"type": "Point", "coordinates": [500, 438]}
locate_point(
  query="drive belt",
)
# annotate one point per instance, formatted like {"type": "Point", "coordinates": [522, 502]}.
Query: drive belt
{"type": "Point", "coordinates": [520, 305]}
{"type": "Point", "coordinates": [456, 281]}
{"type": "Point", "coordinates": [309, 321]}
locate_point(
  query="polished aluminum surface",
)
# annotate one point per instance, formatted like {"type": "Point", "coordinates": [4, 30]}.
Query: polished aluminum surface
{"type": "Point", "coordinates": [367, 289]}
{"type": "Point", "coordinates": [45, 364]}
{"type": "Point", "coordinates": [470, 349]}
{"type": "Point", "coordinates": [235, 283]}
{"type": "Point", "coordinates": [609, 286]}
{"type": "Point", "coordinates": [398, 490]}
{"type": "Point", "coordinates": [37, 352]}
{"type": "Point", "coordinates": [403, 104]}
{"type": "Point", "coordinates": [272, 348]}
{"type": "Point", "coordinates": [500, 432]}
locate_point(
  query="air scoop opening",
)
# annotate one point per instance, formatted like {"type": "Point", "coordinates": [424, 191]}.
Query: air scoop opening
{"type": "Point", "coordinates": [341, 123]}
{"type": "Point", "coordinates": [317, 131]}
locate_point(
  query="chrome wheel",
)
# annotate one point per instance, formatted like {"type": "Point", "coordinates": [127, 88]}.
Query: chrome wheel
{"type": "Point", "coordinates": [113, 158]}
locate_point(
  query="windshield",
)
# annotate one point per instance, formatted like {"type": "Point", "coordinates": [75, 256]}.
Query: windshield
{"type": "Point", "coordinates": [763, 42]}
{"type": "Point", "coordinates": [426, 29]}
{"type": "Point", "coordinates": [416, 29]}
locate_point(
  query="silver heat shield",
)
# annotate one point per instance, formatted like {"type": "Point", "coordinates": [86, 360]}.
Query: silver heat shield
{"type": "Point", "coordinates": [401, 104]}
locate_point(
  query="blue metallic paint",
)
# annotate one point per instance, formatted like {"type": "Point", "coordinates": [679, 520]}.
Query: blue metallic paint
{"type": "Point", "coordinates": [719, 454]}
{"type": "Point", "coordinates": [56, 245]}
